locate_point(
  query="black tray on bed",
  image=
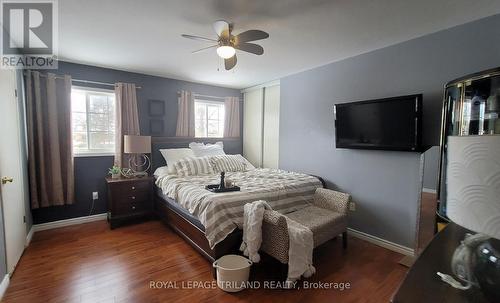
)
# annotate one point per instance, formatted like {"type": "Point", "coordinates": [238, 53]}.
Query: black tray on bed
{"type": "Point", "coordinates": [215, 188]}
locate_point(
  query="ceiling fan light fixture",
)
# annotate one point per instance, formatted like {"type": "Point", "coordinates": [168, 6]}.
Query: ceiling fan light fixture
{"type": "Point", "coordinates": [225, 51]}
{"type": "Point", "coordinates": [227, 43]}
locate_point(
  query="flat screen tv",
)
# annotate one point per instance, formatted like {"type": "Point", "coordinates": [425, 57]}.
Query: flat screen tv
{"type": "Point", "coordinates": [383, 124]}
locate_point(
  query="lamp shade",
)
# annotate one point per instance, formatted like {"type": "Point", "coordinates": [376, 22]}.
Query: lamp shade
{"type": "Point", "coordinates": [473, 183]}
{"type": "Point", "coordinates": [136, 144]}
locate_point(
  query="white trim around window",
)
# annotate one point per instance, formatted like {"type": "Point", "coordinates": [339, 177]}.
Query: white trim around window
{"type": "Point", "coordinates": [94, 154]}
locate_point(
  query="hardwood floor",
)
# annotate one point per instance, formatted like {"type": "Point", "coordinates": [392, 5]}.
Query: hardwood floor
{"type": "Point", "coordinates": [91, 263]}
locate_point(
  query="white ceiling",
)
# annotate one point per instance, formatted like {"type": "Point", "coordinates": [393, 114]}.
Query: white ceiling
{"type": "Point", "coordinates": [145, 36]}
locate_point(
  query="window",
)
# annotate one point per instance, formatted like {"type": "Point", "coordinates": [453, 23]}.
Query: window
{"type": "Point", "coordinates": [93, 121]}
{"type": "Point", "coordinates": [209, 119]}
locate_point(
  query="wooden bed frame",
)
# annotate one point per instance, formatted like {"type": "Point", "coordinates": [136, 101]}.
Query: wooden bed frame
{"type": "Point", "coordinates": [185, 228]}
{"type": "Point", "coordinates": [194, 235]}
{"type": "Point", "coordinates": [170, 216]}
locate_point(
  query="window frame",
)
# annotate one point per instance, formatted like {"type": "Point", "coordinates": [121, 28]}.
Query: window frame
{"type": "Point", "coordinates": [208, 101]}
{"type": "Point", "coordinates": [89, 152]}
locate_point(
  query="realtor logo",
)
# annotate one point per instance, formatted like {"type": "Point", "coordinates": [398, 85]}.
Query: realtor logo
{"type": "Point", "coordinates": [29, 34]}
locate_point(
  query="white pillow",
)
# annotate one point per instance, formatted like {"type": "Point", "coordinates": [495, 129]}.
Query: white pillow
{"type": "Point", "coordinates": [161, 171]}
{"type": "Point", "coordinates": [248, 164]}
{"type": "Point", "coordinates": [204, 150]}
{"type": "Point", "coordinates": [172, 170]}
{"type": "Point", "coordinates": [173, 155]}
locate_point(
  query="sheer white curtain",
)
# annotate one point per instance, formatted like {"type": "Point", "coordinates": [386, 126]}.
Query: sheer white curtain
{"type": "Point", "coordinates": [185, 115]}
{"type": "Point", "coordinates": [232, 117]}
{"type": "Point", "coordinates": [127, 118]}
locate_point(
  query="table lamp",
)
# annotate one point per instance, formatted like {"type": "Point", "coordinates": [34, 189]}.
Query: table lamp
{"type": "Point", "coordinates": [141, 146]}
{"type": "Point", "coordinates": [473, 201]}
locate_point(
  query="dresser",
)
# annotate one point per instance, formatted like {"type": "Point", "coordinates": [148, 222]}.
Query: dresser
{"type": "Point", "coordinates": [129, 199]}
{"type": "Point", "coordinates": [422, 284]}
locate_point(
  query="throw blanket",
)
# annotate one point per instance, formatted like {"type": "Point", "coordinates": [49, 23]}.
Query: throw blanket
{"type": "Point", "coordinates": [300, 252]}
{"type": "Point", "coordinates": [252, 229]}
{"type": "Point", "coordinates": [221, 213]}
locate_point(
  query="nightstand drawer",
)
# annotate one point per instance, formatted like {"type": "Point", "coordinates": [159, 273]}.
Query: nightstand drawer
{"type": "Point", "coordinates": [129, 207]}
{"type": "Point", "coordinates": [130, 188]}
{"type": "Point", "coordinates": [128, 197]}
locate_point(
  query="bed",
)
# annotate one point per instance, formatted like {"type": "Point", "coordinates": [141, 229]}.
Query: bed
{"type": "Point", "coordinates": [211, 222]}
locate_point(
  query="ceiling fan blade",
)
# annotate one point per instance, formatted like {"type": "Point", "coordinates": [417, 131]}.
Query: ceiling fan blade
{"type": "Point", "coordinates": [251, 35]}
{"type": "Point", "coordinates": [202, 49]}
{"type": "Point", "coordinates": [250, 47]}
{"type": "Point", "coordinates": [198, 38]}
{"type": "Point", "coordinates": [230, 63]}
{"type": "Point", "coordinates": [221, 28]}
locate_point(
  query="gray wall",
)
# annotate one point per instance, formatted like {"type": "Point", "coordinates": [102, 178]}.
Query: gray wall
{"type": "Point", "coordinates": [385, 185]}
{"type": "Point", "coordinates": [91, 171]}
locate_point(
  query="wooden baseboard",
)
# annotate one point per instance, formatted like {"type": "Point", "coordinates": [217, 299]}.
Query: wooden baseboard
{"type": "Point", "coordinates": [68, 222]}
{"type": "Point", "coordinates": [4, 285]}
{"type": "Point", "coordinates": [382, 242]}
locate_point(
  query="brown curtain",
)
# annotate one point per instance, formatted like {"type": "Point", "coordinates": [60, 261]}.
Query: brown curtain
{"type": "Point", "coordinates": [232, 117]}
{"type": "Point", "coordinates": [127, 118]}
{"type": "Point", "coordinates": [50, 150]}
{"type": "Point", "coordinates": [185, 115]}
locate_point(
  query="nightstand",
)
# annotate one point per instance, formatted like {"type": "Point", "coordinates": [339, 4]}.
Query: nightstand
{"type": "Point", "coordinates": [129, 198]}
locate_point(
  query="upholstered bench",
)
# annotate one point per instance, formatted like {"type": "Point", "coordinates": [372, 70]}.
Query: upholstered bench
{"type": "Point", "coordinates": [326, 218]}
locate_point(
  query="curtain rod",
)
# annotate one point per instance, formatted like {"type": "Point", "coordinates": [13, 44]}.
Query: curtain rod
{"type": "Point", "coordinates": [206, 96]}
{"type": "Point", "coordinates": [85, 81]}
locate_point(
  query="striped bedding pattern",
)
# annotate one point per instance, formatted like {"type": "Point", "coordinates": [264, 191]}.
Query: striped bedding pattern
{"type": "Point", "coordinates": [222, 213]}
{"type": "Point", "coordinates": [192, 166]}
{"type": "Point", "coordinates": [227, 163]}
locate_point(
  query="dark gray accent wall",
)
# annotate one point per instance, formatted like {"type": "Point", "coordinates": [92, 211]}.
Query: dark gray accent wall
{"type": "Point", "coordinates": [91, 171]}
{"type": "Point", "coordinates": [385, 184]}
{"type": "Point", "coordinates": [89, 177]}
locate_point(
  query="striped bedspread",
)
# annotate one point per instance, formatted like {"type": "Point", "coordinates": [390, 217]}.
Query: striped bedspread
{"type": "Point", "coordinates": [221, 213]}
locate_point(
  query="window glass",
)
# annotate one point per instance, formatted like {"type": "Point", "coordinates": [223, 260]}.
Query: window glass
{"type": "Point", "coordinates": [93, 121]}
{"type": "Point", "coordinates": [209, 119]}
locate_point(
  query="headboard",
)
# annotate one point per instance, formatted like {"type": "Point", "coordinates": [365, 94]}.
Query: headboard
{"type": "Point", "coordinates": [231, 146]}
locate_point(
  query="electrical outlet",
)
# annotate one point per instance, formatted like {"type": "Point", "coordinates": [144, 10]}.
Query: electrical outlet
{"type": "Point", "coordinates": [352, 206]}
{"type": "Point", "coordinates": [95, 195]}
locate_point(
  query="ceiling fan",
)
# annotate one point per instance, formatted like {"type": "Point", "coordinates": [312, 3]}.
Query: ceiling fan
{"type": "Point", "coordinates": [227, 43]}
